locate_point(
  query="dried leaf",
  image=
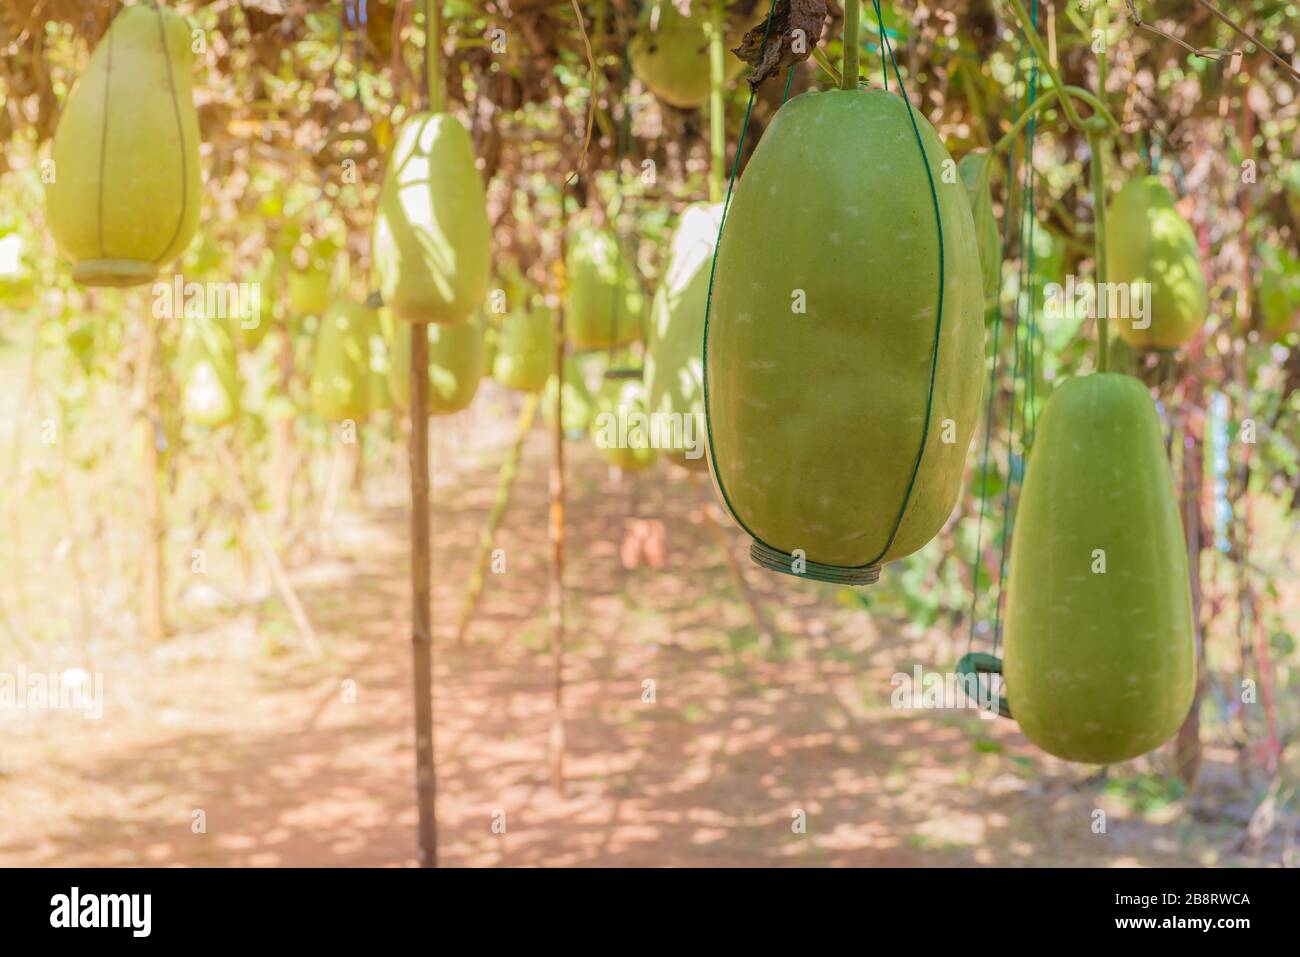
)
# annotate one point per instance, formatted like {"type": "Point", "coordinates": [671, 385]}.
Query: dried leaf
{"type": "Point", "coordinates": [796, 28]}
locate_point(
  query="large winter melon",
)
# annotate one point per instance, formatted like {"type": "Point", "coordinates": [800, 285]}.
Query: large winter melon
{"type": "Point", "coordinates": [432, 239]}
{"type": "Point", "coordinates": [124, 198]}
{"type": "Point", "coordinates": [1099, 662]}
{"type": "Point", "coordinates": [820, 340]}
{"type": "Point", "coordinates": [604, 299]}
{"type": "Point", "coordinates": [674, 365]}
{"type": "Point", "coordinates": [455, 366]}
{"type": "Point", "coordinates": [670, 51]}
{"type": "Point", "coordinates": [525, 355]}
{"type": "Point", "coordinates": [209, 378]}
{"type": "Point", "coordinates": [1149, 242]}
{"type": "Point", "coordinates": [340, 375]}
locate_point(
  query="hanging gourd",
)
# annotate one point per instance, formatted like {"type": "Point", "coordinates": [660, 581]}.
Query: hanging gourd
{"type": "Point", "coordinates": [1279, 292]}
{"type": "Point", "coordinates": [309, 289]}
{"type": "Point", "coordinates": [17, 291]}
{"type": "Point", "coordinates": [381, 371]}
{"type": "Point", "coordinates": [124, 198]}
{"type": "Point", "coordinates": [1149, 242]}
{"type": "Point", "coordinates": [270, 304]}
{"type": "Point", "coordinates": [576, 400]}
{"type": "Point", "coordinates": [674, 367]}
{"type": "Point", "coordinates": [620, 427]}
{"type": "Point", "coordinates": [669, 52]}
{"type": "Point", "coordinates": [525, 349]}
{"type": "Point", "coordinates": [340, 375]}
{"type": "Point", "coordinates": [455, 366]}
{"type": "Point", "coordinates": [491, 333]}
{"type": "Point", "coordinates": [842, 378]}
{"type": "Point", "coordinates": [604, 300]}
{"type": "Point", "coordinates": [432, 240]}
{"type": "Point", "coordinates": [976, 172]}
{"type": "Point", "coordinates": [1099, 662]}
{"type": "Point", "coordinates": [209, 376]}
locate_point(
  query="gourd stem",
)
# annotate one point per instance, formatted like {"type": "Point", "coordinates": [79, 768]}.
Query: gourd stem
{"type": "Point", "coordinates": [849, 75]}
{"type": "Point", "coordinates": [1097, 160]}
{"type": "Point", "coordinates": [1045, 60]}
{"type": "Point", "coordinates": [717, 116]}
{"type": "Point", "coordinates": [827, 66]}
{"type": "Point", "coordinates": [1046, 99]}
{"type": "Point", "coordinates": [433, 53]}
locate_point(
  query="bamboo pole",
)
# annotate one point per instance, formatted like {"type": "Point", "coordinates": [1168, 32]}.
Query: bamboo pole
{"type": "Point", "coordinates": [505, 482]}
{"type": "Point", "coordinates": [426, 789]}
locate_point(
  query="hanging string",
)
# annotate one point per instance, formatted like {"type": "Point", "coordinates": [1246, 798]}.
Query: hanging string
{"type": "Point", "coordinates": [1026, 268]}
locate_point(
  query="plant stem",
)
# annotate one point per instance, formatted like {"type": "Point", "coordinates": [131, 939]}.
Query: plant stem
{"type": "Point", "coordinates": [1045, 99]}
{"type": "Point", "coordinates": [717, 115]}
{"type": "Point", "coordinates": [849, 75]}
{"type": "Point", "coordinates": [827, 66]}
{"type": "Point", "coordinates": [1045, 61]}
{"type": "Point", "coordinates": [433, 53]}
{"type": "Point", "coordinates": [1097, 160]}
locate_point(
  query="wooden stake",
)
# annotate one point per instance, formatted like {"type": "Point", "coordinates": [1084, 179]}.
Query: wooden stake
{"type": "Point", "coordinates": [421, 602]}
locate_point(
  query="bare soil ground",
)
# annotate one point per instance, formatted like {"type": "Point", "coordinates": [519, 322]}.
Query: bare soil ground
{"type": "Point", "coordinates": [295, 760]}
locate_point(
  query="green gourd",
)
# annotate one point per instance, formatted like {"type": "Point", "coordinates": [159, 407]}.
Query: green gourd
{"type": "Point", "coordinates": [309, 290]}
{"type": "Point", "coordinates": [340, 375]}
{"type": "Point", "coordinates": [1099, 662]}
{"type": "Point", "coordinates": [17, 290]}
{"type": "Point", "coordinates": [604, 300]}
{"type": "Point", "coordinates": [1279, 292]}
{"type": "Point", "coordinates": [976, 173]}
{"type": "Point", "coordinates": [817, 417]}
{"type": "Point", "coordinates": [670, 52]}
{"type": "Point", "coordinates": [674, 365]}
{"type": "Point", "coordinates": [381, 371]}
{"type": "Point", "coordinates": [525, 349]}
{"type": "Point", "coordinates": [1149, 242]}
{"type": "Point", "coordinates": [432, 239]}
{"type": "Point", "coordinates": [620, 427]}
{"type": "Point", "coordinates": [124, 198]}
{"type": "Point", "coordinates": [209, 376]}
{"type": "Point", "coordinates": [577, 402]}
{"type": "Point", "coordinates": [455, 366]}
{"type": "Point", "coordinates": [270, 305]}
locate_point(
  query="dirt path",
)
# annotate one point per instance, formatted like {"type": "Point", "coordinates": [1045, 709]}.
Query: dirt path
{"type": "Point", "coordinates": [287, 769]}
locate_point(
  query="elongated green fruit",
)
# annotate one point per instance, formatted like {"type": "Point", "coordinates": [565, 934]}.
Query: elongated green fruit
{"type": "Point", "coordinates": [821, 333]}
{"type": "Point", "coordinates": [620, 428]}
{"type": "Point", "coordinates": [209, 376]}
{"type": "Point", "coordinates": [577, 400]}
{"type": "Point", "coordinates": [1099, 661]}
{"type": "Point", "coordinates": [1149, 242]}
{"type": "Point", "coordinates": [455, 366]}
{"type": "Point", "coordinates": [125, 195]}
{"type": "Point", "coordinates": [525, 349]}
{"type": "Point", "coordinates": [604, 295]}
{"type": "Point", "coordinates": [976, 172]}
{"type": "Point", "coordinates": [432, 239]}
{"type": "Point", "coordinates": [669, 52]}
{"type": "Point", "coordinates": [674, 365]}
{"type": "Point", "coordinates": [340, 375]}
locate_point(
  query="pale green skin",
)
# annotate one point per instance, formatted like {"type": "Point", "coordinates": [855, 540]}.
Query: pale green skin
{"type": "Point", "coordinates": [525, 350]}
{"type": "Point", "coordinates": [1147, 241]}
{"type": "Point", "coordinates": [209, 380]}
{"type": "Point", "coordinates": [1099, 667]}
{"type": "Point", "coordinates": [340, 375]}
{"type": "Point", "coordinates": [455, 366]}
{"type": "Point", "coordinates": [976, 171]}
{"type": "Point", "coordinates": [309, 292]}
{"type": "Point", "coordinates": [674, 364]}
{"type": "Point", "coordinates": [621, 398]}
{"type": "Point", "coordinates": [816, 419]}
{"type": "Point", "coordinates": [432, 240]}
{"type": "Point", "coordinates": [126, 190]}
{"type": "Point", "coordinates": [604, 300]}
{"type": "Point", "coordinates": [670, 53]}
